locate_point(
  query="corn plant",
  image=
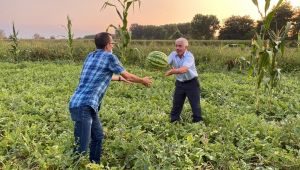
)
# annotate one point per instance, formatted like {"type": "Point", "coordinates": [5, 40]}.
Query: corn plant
{"type": "Point", "coordinates": [265, 52]}
{"type": "Point", "coordinates": [70, 38]}
{"type": "Point", "coordinates": [14, 50]}
{"type": "Point", "coordinates": [122, 31]}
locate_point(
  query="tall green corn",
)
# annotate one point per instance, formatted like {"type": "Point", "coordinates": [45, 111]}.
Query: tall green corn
{"type": "Point", "coordinates": [70, 38]}
{"type": "Point", "coordinates": [14, 50]}
{"type": "Point", "coordinates": [122, 31]}
{"type": "Point", "coordinates": [265, 52]}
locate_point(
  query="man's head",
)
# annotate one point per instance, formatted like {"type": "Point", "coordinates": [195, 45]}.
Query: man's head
{"type": "Point", "coordinates": [181, 46]}
{"type": "Point", "coordinates": [104, 41]}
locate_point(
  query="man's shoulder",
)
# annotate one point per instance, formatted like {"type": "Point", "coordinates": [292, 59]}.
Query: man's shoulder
{"type": "Point", "coordinates": [189, 54]}
{"type": "Point", "coordinates": [109, 55]}
{"type": "Point", "coordinates": [101, 54]}
{"type": "Point", "coordinates": [173, 54]}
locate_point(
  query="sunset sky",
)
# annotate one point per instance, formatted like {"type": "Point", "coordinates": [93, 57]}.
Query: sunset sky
{"type": "Point", "coordinates": [46, 17]}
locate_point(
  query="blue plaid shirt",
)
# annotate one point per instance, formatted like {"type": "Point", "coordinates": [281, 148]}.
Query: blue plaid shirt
{"type": "Point", "coordinates": [95, 77]}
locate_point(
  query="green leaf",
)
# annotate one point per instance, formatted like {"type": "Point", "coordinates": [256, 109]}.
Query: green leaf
{"type": "Point", "coordinates": [190, 138]}
{"type": "Point", "coordinates": [255, 43]}
{"type": "Point", "coordinates": [282, 48]}
{"type": "Point", "coordinates": [267, 5]}
{"type": "Point", "coordinates": [287, 29]}
{"type": "Point", "coordinates": [128, 4]}
{"type": "Point", "coordinates": [278, 4]}
{"type": "Point", "coordinates": [268, 19]}
{"type": "Point", "coordinates": [260, 77]}
{"type": "Point", "coordinates": [251, 71]}
{"type": "Point", "coordinates": [111, 26]}
{"type": "Point", "coordinates": [255, 2]}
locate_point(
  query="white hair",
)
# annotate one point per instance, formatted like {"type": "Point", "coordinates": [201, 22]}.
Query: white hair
{"type": "Point", "coordinates": [183, 40]}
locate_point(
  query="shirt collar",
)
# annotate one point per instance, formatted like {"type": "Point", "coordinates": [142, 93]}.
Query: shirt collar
{"type": "Point", "coordinates": [184, 54]}
{"type": "Point", "coordinates": [99, 49]}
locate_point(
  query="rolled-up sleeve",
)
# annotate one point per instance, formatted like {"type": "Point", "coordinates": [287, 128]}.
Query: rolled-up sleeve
{"type": "Point", "coordinates": [115, 65]}
{"type": "Point", "coordinates": [189, 61]}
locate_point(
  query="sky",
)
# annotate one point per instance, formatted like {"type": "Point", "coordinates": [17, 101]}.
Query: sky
{"type": "Point", "coordinates": [48, 17]}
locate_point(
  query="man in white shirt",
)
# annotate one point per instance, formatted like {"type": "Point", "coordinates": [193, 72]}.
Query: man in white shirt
{"type": "Point", "coordinates": [187, 85]}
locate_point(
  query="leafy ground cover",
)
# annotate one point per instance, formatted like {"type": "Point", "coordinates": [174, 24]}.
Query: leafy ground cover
{"type": "Point", "coordinates": [36, 131]}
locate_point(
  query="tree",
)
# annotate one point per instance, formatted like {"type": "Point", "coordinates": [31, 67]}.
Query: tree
{"type": "Point", "coordinates": [283, 15]}
{"type": "Point", "coordinates": [37, 36]}
{"type": "Point", "coordinates": [296, 24]}
{"type": "Point", "coordinates": [185, 29]}
{"type": "Point", "coordinates": [204, 26]}
{"type": "Point", "coordinates": [147, 32]}
{"type": "Point", "coordinates": [89, 37]}
{"type": "Point", "coordinates": [2, 34]}
{"type": "Point", "coordinates": [258, 25]}
{"type": "Point", "coordinates": [136, 31]}
{"type": "Point", "coordinates": [237, 28]}
{"type": "Point", "coordinates": [162, 32]}
{"type": "Point", "coordinates": [170, 30]}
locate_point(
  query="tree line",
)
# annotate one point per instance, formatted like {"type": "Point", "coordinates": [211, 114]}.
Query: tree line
{"type": "Point", "coordinates": [208, 27]}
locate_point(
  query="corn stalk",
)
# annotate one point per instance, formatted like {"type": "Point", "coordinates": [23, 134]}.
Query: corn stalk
{"type": "Point", "coordinates": [298, 43]}
{"type": "Point", "coordinates": [265, 52]}
{"type": "Point", "coordinates": [70, 38]}
{"type": "Point", "coordinates": [14, 50]}
{"type": "Point", "coordinates": [122, 31]}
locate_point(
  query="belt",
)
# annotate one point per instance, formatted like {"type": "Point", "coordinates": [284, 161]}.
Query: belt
{"type": "Point", "coordinates": [187, 81]}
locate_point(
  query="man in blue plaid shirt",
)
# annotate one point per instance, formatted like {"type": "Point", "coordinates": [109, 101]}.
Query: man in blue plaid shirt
{"type": "Point", "coordinates": [97, 72]}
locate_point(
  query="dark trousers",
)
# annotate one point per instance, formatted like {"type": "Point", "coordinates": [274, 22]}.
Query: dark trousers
{"type": "Point", "coordinates": [191, 90]}
{"type": "Point", "coordinates": [87, 132]}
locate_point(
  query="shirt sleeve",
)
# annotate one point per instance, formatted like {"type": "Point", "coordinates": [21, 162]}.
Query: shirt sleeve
{"type": "Point", "coordinates": [170, 59]}
{"type": "Point", "coordinates": [189, 62]}
{"type": "Point", "coordinates": [115, 65]}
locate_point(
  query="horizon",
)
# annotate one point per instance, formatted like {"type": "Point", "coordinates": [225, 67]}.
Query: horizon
{"type": "Point", "coordinates": [32, 17]}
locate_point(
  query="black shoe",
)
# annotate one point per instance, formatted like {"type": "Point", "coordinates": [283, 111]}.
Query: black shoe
{"type": "Point", "coordinates": [196, 121]}
{"type": "Point", "coordinates": [174, 120]}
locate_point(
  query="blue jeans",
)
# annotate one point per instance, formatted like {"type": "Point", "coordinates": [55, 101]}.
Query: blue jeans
{"type": "Point", "coordinates": [87, 126]}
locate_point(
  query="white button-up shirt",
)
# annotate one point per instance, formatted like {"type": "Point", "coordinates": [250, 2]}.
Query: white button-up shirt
{"type": "Point", "coordinates": [188, 61]}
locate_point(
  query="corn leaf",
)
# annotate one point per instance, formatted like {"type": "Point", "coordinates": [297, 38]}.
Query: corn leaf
{"type": "Point", "coordinates": [268, 19]}
{"type": "Point", "coordinates": [267, 5]}
{"type": "Point", "coordinates": [255, 2]}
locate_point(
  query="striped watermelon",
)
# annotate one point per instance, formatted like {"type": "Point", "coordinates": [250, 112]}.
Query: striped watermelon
{"type": "Point", "coordinates": [157, 59]}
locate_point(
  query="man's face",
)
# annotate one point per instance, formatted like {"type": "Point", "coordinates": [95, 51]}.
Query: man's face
{"type": "Point", "coordinates": [180, 48]}
{"type": "Point", "coordinates": [110, 45]}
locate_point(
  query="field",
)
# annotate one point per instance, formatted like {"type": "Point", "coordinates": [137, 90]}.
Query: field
{"type": "Point", "coordinates": [36, 131]}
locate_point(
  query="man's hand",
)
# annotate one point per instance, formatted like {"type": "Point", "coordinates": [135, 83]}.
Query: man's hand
{"type": "Point", "coordinates": [170, 72]}
{"type": "Point", "coordinates": [180, 70]}
{"type": "Point", "coordinates": [147, 81]}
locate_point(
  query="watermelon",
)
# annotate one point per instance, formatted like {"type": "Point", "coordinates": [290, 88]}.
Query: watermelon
{"type": "Point", "coordinates": [157, 59]}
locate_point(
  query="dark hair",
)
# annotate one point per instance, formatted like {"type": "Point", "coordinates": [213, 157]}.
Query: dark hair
{"type": "Point", "coordinates": [102, 39]}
